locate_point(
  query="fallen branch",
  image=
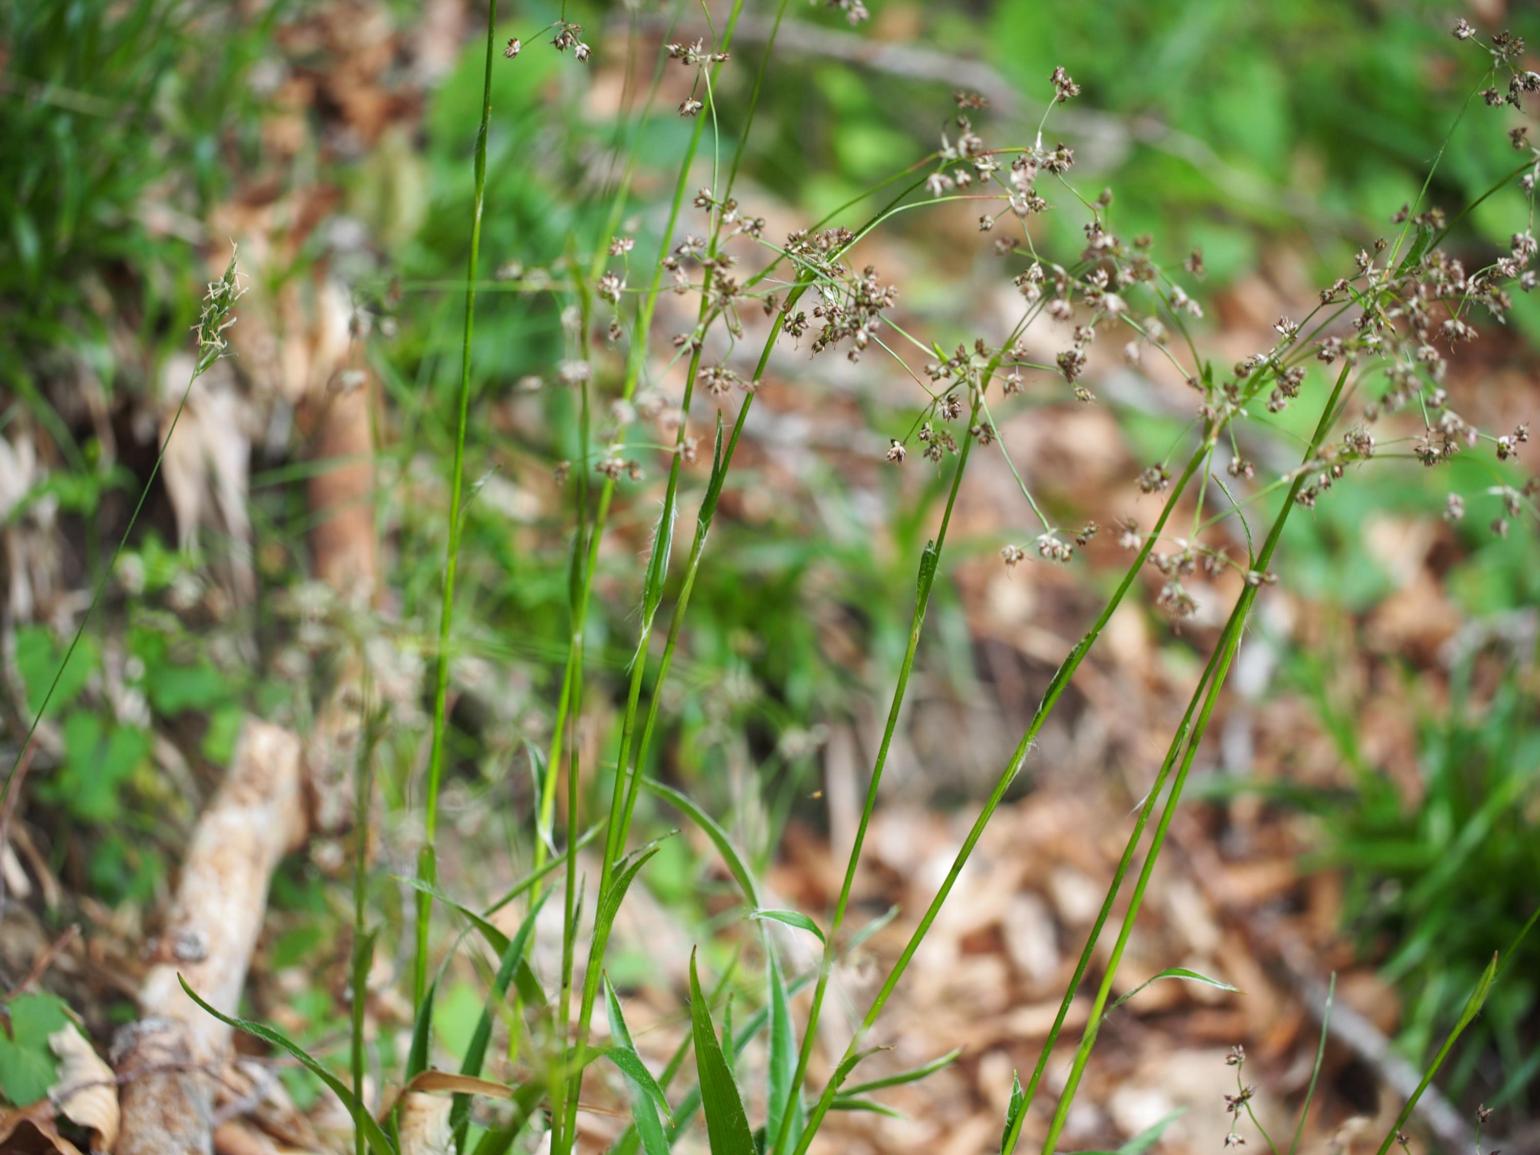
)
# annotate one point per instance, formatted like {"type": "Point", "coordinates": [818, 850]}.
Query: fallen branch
{"type": "Point", "coordinates": [166, 1058]}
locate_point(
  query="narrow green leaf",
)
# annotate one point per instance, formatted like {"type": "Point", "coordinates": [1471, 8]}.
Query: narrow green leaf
{"type": "Point", "coordinates": [528, 881]}
{"type": "Point", "coordinates": [422, 1033]}
{"type": "Point", "coordinates": [1473, 1005]}
{"type": "Point", "coordinates": [914, 1075]}
{"type": "Point", "coordinates": [501, 1139]}
{"type": "Point", "coordinates": [626, 871]}
{"type": "Point", "coordinates": [727, 1124]}
{"type": "Point", "coordinates": [379, 1142]}
{"type": "Point", "coordinates": [784, 1095]}
{"type": "Point", "coordinates": [1013, 1111]}
{"type": "Point", "coordinates": [713, 831]}
{"type": "Point", "coordinates": [1182, 973]}
{"type": "Point", "coordinates": [524, 980]}
{"type": "Point", "coordinates": [476, 1050]}
{"type": "Point", "coordinates": [1315, 1071]}
{"type": "Point", "coordinates": [871, 1106]}
{"type": "Point", "coordinates": [859, 939]}
{"type": "Point", "coordinates": [646, 1094]}
{"type": "Point", "coordinates": [792, 918]}
{"type": "Point", "coordinates": [1146, 1139]}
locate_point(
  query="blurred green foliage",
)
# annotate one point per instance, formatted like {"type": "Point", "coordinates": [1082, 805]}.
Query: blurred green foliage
{"type": "Point", "coordinates": [121, 123]}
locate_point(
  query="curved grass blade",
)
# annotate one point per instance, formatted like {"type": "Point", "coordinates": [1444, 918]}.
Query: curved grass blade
{"type": "Point", "coordinates": [913, 1075]}
{"type": "Point", "coordinates": [712, 830]}
{"type": "Point", "coordinates": [727, 1124]}
{"type": "Point", "coordinates": [1146, 1139]}
{"type": "Point", "coordinates": [378, 1141]}
{"type": "Point", "coordinates": [646, 1095]}
{"type": "Point", "coordinates": [792, 918]}
{"type": "Point", "coordinates": [784, 1094]}
{"type": "Point", "coordinates": [476, 1050]}
{"type": "Point", "coordinates": [524, 979]}
{"type": "Point", "coordinates": [871, 1106]}
{"type": "Point", "coordinates": [1183, 973]}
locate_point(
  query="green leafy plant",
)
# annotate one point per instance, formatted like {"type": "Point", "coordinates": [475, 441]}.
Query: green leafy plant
{"type": "Point", "coordinates": [28, 1066]}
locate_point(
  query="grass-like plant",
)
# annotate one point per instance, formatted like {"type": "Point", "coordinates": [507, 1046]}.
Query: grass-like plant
{"type": "Point", "coordinates": [1375, 344]}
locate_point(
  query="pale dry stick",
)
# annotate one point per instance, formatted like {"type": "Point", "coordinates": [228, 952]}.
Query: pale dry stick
{"type": "Point", "coordinates": [257, 816]}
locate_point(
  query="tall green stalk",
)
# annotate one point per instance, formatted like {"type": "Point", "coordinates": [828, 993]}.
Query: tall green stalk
{"type": "Point", "coordinates": [930, 560]}
{"type": "Point", "coordinates": [588, 560]}
{"type": "Point", "coordinates": [1056, 688]}
{"type": "Point", "coordinates": [427, 858]}
{"type": "Point", "coordinates": [1207, 692]}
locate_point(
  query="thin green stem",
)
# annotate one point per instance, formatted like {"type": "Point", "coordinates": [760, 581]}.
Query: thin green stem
{"type": "Point", "coordinates": [930, 560]}
{"type": "Point", "coordinates": [427, 859]}
{"type": "Point", "coordinates": [1208, 692]}
{"type": "Point", "coordinates": [1056, 688]}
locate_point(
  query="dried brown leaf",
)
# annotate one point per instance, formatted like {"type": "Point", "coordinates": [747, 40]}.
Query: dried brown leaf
{"type": "Point", "coordinates": [86, 1091]}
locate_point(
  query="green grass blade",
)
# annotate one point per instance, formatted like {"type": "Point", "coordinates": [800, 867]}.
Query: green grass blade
{"type": "Point", "coordinates": [1146, 1139]}
{"type": "Point", "coordinates": [647, 1095]}
{"type": "Point", "coordinates": [422, 1033]}
{"type": "Point", "coordinates": [791, 918]}
{"type": "Point", "coordinates": [524, 979]}
{"type": "Point", "coordinates": [784, 1094]}
{"type": "Point", "coordinates": [1182, 973]}
{"type": "Point", "coordinates": [363, 958]}
{"type": "Point", "coordinates": [1014, 1110]}
{"type": "Point", "coordinates": [727, 1124]}
{"type": "Point", "coordinates": [712, 830]}
{"type": "Point", "coordinates": [378, 1141]}
{"type": "Point", "coordinates": [1315, 1070]}
{"type": "Point", "coordinates": [501, 1139]}
{"type": "Point", "coordinates": [913, 1075]}
{"type": "Point", "coordinates": [427, 861]}
{"type": "Point", "coordinates": [528, 882]}
{"type": "Point", "coordinates": [476, 1049]}
{"type": "Point", "coordinates": [1473, 1005]}
{"type": "Point", "coordinates": [870, 1106]}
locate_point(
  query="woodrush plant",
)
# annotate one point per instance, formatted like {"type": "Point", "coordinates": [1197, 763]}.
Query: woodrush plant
{"type": "Point", "coordinates": [1395, 315]}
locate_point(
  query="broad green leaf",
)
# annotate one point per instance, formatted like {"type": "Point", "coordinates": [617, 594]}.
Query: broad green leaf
{"type": "Point", "coordinates": [1182, 973]}
{"type": "Point", "coordinates": [28, 1066]}
{"type": "Point", "coordinates": [38, 661]}
{"type": "Point", "coordinates": [646, 1095]}
{"type": "Point", "coordinates": [378, 1141]}
{"type": "Point", "coordinates": [727, 1124]}
{"type": "Point", "coordinates": [792, 918]}
{"type": "Point", "coordinates": [713, 831]}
